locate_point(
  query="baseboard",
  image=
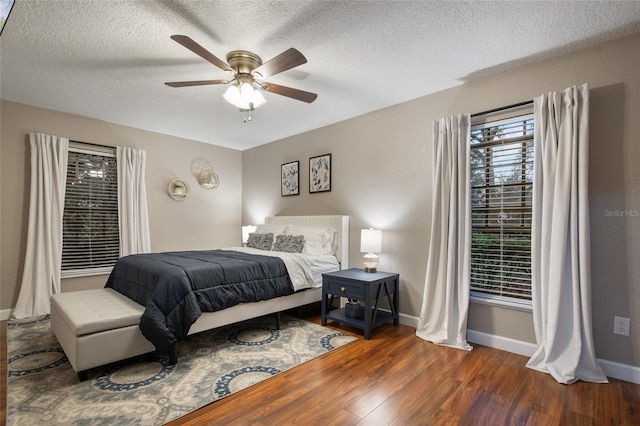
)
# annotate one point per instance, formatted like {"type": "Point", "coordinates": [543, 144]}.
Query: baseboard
{"type": "Point", "coordinates": [628, 373]}
{"type": "Point", "coordinates": [625, 372]}
{"type": "Point", "coordinates": [409, 320]}
{"type": "Point", "coordinates": [503, 343]}
{"type": "Point", "coordinates": [5, 314]}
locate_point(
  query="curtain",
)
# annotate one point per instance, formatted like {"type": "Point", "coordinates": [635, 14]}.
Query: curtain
{"type": "Point", "coordinates": [43, 256]}
{"type": "Point", "coordinates": [445, 304]}
{"type": "Point", "coordinates": [133, 216]}
{"type": "Point", "coordinates": [560, 246]}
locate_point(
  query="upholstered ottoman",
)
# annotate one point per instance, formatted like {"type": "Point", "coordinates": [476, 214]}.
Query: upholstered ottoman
{"type": "Point", "coordinates": [97, 327]}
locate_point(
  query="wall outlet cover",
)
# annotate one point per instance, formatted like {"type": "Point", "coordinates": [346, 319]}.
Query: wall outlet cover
{"type": "Point", "coordinates": [621, 326]}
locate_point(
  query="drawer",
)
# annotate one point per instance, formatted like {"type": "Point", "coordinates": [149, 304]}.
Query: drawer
{"type": "Point", "coordinates": [348, 290]}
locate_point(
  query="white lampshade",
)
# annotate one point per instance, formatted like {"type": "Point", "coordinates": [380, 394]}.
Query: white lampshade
{"type": "Point", "coordinates": [371, 240]}
{"type": "Point", "coordinates": [246, 230]}
{"type": "Point", "coordinates": [244, 96]}
{"type": "Point", "coordinates": [370, 243]}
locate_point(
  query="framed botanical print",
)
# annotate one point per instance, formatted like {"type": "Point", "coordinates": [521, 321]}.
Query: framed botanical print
{"type": "Point", "coordinates": [290, 179]}
{"type": "Point", "coordinates": [320, 173]}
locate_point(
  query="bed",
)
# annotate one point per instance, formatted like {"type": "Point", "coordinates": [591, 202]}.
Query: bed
{"type": "Point", "coordinates": [83, 337]}
{"type": "Point", "coordinates": [304, 270]}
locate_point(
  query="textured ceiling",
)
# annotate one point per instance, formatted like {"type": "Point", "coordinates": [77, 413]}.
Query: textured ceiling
{"type": "Point", "coordinates": [109, 59]}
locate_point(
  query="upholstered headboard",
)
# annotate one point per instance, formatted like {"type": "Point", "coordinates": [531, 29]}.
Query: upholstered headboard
{"type": "Point", "coordinates": [338, 222]}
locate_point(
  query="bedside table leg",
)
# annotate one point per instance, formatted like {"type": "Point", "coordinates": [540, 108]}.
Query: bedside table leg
{"type": "Point", "coordinates": [324, 310]}
{"type": "Point", "coordinates": [396, 304]}
{"type": "Point", "coordinates": [367, 319]}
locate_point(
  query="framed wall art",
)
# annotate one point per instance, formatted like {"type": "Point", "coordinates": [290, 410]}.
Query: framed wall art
{"type": "Point", "coordinates": [320, 173]}
{"type": "Point", "coordinates": [290, 178]}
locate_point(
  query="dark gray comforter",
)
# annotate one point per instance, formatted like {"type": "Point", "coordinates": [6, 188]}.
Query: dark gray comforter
{"type": "Point", "coordinates": [176, 287]}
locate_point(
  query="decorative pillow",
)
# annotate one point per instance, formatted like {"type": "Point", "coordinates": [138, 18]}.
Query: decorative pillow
{"type": "Point", "coordinates": [260, 241]}
{"type": "Point", "coordinates": [289, 243]}
{"type": "Point", "coordinates": [266, 228]}
{"type": "Point", "coordinates": [318, 240]}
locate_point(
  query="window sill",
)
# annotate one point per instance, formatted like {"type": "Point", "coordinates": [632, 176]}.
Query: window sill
{"type": "Point", "coordinates": [76, 273]}
{"type": "Point", "coordinates": [503, 302]}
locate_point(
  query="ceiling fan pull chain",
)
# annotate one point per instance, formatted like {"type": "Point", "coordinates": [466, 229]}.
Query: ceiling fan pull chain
{"type": "Point", "coordinates": [247, 115]}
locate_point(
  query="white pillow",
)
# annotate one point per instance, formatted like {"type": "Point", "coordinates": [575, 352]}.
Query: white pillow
{"type": "Point", "coordinates": [266, 228]}
{"type": "Point", "coordinates": [318, 240]}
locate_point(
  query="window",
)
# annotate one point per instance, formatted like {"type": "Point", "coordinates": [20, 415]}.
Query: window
{"type": "Point", "coordinates": [501, 198]}
{"type": "Point", "coordinates": [90, 242]}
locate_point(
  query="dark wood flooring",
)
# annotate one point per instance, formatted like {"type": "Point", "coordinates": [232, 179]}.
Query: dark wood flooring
{"type": "Point", "coordinates": [398, 379]}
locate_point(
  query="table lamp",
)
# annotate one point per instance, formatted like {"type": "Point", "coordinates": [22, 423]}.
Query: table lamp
{"type": "Point", "coordinates": [246, 230]}
{"type": "Point", "coordinates": [370, 243]}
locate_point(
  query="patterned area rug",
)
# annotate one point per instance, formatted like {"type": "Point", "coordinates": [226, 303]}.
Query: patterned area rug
{"type": "Point", "coordinates": [44, 389]}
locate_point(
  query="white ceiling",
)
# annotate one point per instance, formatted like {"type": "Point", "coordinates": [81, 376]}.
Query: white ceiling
{"type": "Point", "coordinates": [109, 59]}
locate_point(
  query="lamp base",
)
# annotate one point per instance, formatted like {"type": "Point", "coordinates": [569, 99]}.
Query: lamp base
{"type": "Point", "coordinates": [370, 269]}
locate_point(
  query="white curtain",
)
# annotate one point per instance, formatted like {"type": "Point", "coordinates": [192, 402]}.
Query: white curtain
{"type": "Point", "coordinates": [560, 263]}
{"type": "Point", "coordinates": [43, 256]}
{"type": "Point", "coordinates": [133, 216]}
{"type": "Point", "coordinates": [445, 305]}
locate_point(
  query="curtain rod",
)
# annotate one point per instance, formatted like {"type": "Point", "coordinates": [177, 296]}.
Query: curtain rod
{"type": "Point", "coordinates": [502, 108]}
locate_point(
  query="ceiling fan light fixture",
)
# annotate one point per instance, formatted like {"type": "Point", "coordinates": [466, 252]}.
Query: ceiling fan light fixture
{"type": "Point", "coordinates": [248, 71]}
{"type": "Point", "coordinates": [244, 96]}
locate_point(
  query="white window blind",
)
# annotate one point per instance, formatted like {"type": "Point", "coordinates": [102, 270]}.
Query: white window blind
{"type": "Point", "coordinates": [501, 199]}
{"type": "Point", "coordinates": [90, 222]}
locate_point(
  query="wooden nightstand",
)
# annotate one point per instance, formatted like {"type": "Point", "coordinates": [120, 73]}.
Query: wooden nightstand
{"type": "Point", "coordinates": [363, 286]}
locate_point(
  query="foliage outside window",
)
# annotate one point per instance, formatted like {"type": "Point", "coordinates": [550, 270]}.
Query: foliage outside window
{"type": "Point", "coordinates": [91, 242]}
{"type": "Point", "coordinates": [501, 157]}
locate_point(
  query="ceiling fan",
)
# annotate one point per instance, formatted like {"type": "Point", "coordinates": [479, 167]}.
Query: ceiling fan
{"type": "Point", "coordinates": [248, 74]}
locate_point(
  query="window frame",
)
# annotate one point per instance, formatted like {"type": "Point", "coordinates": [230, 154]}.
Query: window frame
{"type": "Point", "coordinates": [519, 113]}
{"type": "Point", "coordinates": [94, 150]}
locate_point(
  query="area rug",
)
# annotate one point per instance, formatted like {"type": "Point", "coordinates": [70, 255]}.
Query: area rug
{"type": "Point", "coordinates": [43, 388]}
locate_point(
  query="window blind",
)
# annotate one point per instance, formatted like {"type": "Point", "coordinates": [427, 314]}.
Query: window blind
{"type": "Point", "coordinates": [501, 156]}
{"type": "Point", "coordinates": [91, 242]}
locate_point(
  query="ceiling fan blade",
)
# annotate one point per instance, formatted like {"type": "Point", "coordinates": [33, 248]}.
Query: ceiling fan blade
{"type": "Point", "coordinates": [201, 51]}
{"type": "Point", "coordinates": [290, 92]}
{"type": "Point", "coordinates": [195, 83]}
{"type": "Point", "coordinates": [288, 59]}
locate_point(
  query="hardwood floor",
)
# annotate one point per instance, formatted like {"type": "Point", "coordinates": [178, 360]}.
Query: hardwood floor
{"type": "Point", "coordinates": [397, 378]}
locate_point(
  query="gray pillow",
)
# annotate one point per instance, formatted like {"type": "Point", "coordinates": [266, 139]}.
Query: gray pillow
{"type": "Point", "coordinates": [260, 241]}
{"type": "Point", "coordinates": [289, 243]}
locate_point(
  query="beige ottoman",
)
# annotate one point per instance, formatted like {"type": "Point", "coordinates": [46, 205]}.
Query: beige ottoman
{"type": "Point", "coordinates": [97, 327]}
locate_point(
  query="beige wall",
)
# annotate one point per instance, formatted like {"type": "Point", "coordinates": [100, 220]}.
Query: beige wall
{"type": "Point", "coordinates": [382, 168]}
{"type": "Point", "coordinates": [207, 219]}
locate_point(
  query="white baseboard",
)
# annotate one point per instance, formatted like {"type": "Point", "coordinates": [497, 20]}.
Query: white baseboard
{"type": "Point", "coordinates": [5, 314]}
{"type": "Point", "coordinates": [409, 320]}
{"type": "Point", "coordinates": [625, 372]}
{"type": "Point", "coordinates": [628, 373]}
{"type": "Point", "coordinates": [503, 343]}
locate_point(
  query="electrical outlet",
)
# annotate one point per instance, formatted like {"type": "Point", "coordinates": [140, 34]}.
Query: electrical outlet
{"type": "Point", "coordinates": [621, 326]}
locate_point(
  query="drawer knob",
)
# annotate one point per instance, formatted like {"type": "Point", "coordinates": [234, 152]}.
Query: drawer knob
{"type": "Point", "coordinates": [342, 289]}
